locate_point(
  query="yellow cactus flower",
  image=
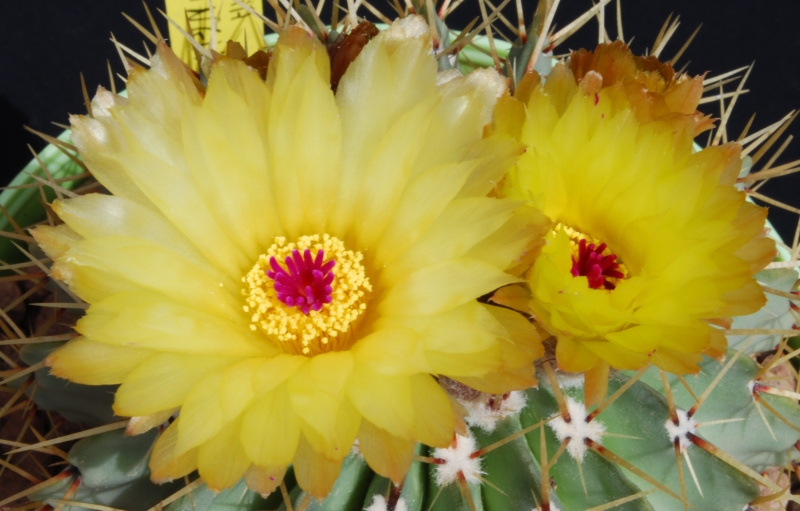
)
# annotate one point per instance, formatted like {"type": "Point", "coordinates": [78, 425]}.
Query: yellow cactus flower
{"type": "Point", "coordinates": [286, 269]}
{"type": "Point", "coordinates": [650, 242]}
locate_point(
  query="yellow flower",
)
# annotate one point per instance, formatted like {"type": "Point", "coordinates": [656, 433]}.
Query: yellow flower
{"type": "Point", "coordinates": [288, 269]}
{"type": "Point", "coordinates": [649, 242]}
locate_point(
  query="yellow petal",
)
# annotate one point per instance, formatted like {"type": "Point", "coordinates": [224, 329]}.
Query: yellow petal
{"type": "Point", "coordinates": [271, 373]}
{"type": "Point", "coordinates": [391, 75]}
{"type": "Point", "coordinates": [433, 414]}
{"type": "Point", "coordinates": [386, 454]}
{"type": "Point", "coordinates": [639, 338]}
{"type": "Point", "coordinates": [466, 107]}
{"type": "Point", "coordinates": [99, 216]}
{"type": "Point", "coordinates": [462, 341]}
{"type": "Point", "coordinates": [516, 243]}
{"type": "Point", "coordinates": [236, 388]}
{"type": "Point", "coordinates": [165, 465]}
{"type": "Point", "coordinates": [201, 413]}
{"type": "Point", "coordinates": [423, 200]}
{"type": "Point", "coordinates": [392, 351]}
{"type": "Point", "coordinates": [90, 284]}
{"type": "Point", "coordinates": [149, 320]}
{"type": "Point", "coordinates": [228, 131]}
{"type": "Point", "coordinates": [462, 224]}
{"type": "Point", "coordinates": [222, 461]}
{"type": "Point", "coordinates": [336, 443]}
{"type": "Point", "coordinates": [442, 286]}
{"type": "Point", "coordinates": [385, 401]}
{"type": "Point", "coordinates": [152, 267]}
{"type": "Point", "coordinates": [317, 392]}
{"type": "Point", "coordinates": [304, 135]}
{"type": "Point", "coordinates": [387, 174]}
{"type": "Point", "coordinates": [497, 154]}
{"type": "Point", "coordinates": [96, 363]}
{"type": "Point", "coordinates": [271, 429]}
{"type": "Point", "coordinates": [97, 138]}
{"type": "Point", "coordinates": [163, 382]}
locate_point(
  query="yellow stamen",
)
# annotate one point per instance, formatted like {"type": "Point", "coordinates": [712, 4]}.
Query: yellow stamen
{"type": "Point", "coordinates": [327, 329]}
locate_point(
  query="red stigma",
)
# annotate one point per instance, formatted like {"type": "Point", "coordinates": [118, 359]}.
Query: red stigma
{"type": "Point", "coordinates": [592, 264]}
{"type": "Point", "coordinates": [307, 283]}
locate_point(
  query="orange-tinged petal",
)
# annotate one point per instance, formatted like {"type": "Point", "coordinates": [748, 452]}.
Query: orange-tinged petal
{"type": "Point", "coordinates": [386, 454]}
{"type": "Point", "coordinates": [718, 345]}
{"type": "Point", "coordinates": [573, 356]}
{"type": "Point", "coordinates": [315, 474]}
{"type": "Point", "coordinates": [595, 385]}
{"type": "Point", "coordinates": [500, 382]}
{"type": "Point", "coordinates": [614, 354]}
{"type": "Point", "coordinates": [524, 344]}
{"type": "Point", "coordinates": [676, 362]}
{"type": "Point", "coordinates": [515, 296]}
{"type": "Point", "coordinates": [165, 465]}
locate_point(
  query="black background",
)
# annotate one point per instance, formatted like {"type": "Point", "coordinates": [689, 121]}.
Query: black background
{"type": "Point", "coordinates": [45, 44]}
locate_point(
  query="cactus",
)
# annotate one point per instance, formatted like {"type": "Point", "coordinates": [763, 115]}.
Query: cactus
{"type": "Point", "coordinates": [109, 469]}
{"type": "Point", "coordinates": [659, 442]}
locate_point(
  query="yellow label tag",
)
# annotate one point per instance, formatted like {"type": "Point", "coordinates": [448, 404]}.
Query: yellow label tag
{"type": "Point", "coordinates": [233, 23]}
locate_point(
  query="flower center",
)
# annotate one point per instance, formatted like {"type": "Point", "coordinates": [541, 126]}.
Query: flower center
{"type": "Point", "coordinates": [307, 294]}
{"type": "Point", "coordinates": [595, 261]}
{"type": "Point", "coordinates": [307, 283]}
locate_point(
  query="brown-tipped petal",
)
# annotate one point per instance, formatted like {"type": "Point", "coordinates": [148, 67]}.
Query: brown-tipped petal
{"type": "Point", "coordinates": [264, 480]}
{"type": "Point", "coordinates": [143, 424]}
